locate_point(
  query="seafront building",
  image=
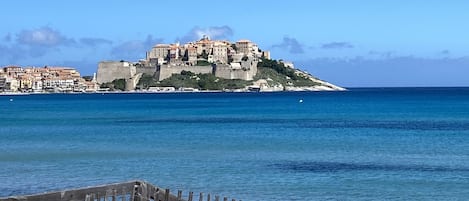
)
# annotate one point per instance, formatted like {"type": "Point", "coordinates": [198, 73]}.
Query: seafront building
{"type": "Point", "coordinates": [44, 79]}
{"type": "Point", "coordinates": [219, 57]}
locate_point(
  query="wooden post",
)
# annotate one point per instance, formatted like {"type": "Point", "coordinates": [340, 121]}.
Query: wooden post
{"type": "Point", "coordinates": [208, 197]}
{"type": "Point", "coordinates": [124, 194]}
{"type": "Point", "coordinates": [217, 198]}
{"type": "Point", "coordinates": [179, 195]}
{"type": "Point", "coordinates": [201, 197]}
{"type": "Point", "coordinates": [233, 200]}
{"type": "Point", "coordinates": [225, 199]}
{"type": "Point", "coordinates": [114, 195]}
{"type": "Point", "coordinates": [191, 194]}
{"type": "Point", "coordinates": [156, 196]}
{"type": "Point", "coordinates": [166, 195]}
{"type": "Point", "coordinates": [132, 195]}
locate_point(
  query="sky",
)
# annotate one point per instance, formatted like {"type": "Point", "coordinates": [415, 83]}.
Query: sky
{"type": "Point", "coordinates": [351, 43]}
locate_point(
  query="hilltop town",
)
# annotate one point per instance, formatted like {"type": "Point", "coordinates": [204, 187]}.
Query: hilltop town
{"type": "Point", "coordinates": [195, 66]}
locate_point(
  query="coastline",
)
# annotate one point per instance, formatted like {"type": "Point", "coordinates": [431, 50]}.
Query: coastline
{"type": "Point", "coordinates": [172, 92]}
{"type": "Point", "coordinates": [433, 88]}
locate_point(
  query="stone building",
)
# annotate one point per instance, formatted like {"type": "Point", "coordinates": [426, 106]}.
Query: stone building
{"type": "Point", "coordinates": [159, 52]}
{"type": "Point", "coordinates": [192, 55]}
{"type": "Point", "coordinates": [266, 54]}
{"type": "Point", "coordinates": [244, 46]}
{"type": "Point", "coordinates": [220, 53]}
{"type": "Point", "coordinates": [204, 45]}
{"type": "Point", "coordinates": [3, 83]}
{"type": "Point", "coordinates": [221, 58]}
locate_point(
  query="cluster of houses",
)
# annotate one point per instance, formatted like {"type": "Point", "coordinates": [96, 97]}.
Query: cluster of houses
{"type": "Point", "coordinates": [44, 79]}
{"type": "Point", "coordinates": [212, 51]}
{"type": "Point", "coordinates": [219, 57]}
{"type": "Point", "coordinates": [222, 58]}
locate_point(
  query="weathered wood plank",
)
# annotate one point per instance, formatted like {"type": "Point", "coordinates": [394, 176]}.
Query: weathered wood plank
{"type": "Point", "coordinates": [135, 190]}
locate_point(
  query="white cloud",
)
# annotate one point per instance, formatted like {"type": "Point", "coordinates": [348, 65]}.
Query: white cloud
{"type": "Point", "coordinates": [135, 49]}
{"type": "Point", "coordinates": [93, 42]}
{"type": "Point", "coordinates": [215, 32]}
{"type": "Point", "coordinates": [337, 45]}
{"type": "Point", "coordinates": [43, 37]}
{"type": "Point", "coordinates": [291, 45]}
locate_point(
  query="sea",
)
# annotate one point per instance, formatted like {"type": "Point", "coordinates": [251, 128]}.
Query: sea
{"type": "Point", "coordinates": [360, 144]}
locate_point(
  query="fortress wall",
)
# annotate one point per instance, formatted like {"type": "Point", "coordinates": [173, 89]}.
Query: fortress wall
{"type": "Point", "coordinates": [223, 72]}
{"type": "Point", "coordinates": [111, 70]}
{"type": "Point", "coordinates": [166, 71]}
{"type": "Point", "coordinates": [228, 73]}
{"type": "Point", "coordinates": [132, 82]}
{"type": "Point", "coordinates": [146, 70]}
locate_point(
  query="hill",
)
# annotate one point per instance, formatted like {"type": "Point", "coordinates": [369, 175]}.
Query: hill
{"type": "Point", "coordinates": [272, 75]}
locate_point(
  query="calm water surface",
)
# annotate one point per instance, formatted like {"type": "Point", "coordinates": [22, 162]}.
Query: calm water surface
{"type": "Point", "coordinates": [363, 144]}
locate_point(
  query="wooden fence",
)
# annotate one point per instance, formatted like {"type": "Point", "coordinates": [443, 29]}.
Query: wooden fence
{"type": "Point", "coordinates": [127, 191]}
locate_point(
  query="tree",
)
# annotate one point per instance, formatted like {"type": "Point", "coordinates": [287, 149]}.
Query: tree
{"type": "Point", "coordinates": [146, 81]}
{"type": "Point", "coordinates": [119, 84]}
{"type": "Point", "coordinates": [234, 47]}
{"type": "Point", "coordinates": [204, 55]}
{"type": "Point", "coordinates": [188, 73]}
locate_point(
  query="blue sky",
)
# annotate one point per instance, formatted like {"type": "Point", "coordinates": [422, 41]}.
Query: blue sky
{"type": "Point", "coordinates": [352, 43]}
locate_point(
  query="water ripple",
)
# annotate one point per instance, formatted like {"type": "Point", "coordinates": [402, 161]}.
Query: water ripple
{"type": "Point", "coordinates": [424, 125]}
{"type": "Point", "coordinates": [319, 167]}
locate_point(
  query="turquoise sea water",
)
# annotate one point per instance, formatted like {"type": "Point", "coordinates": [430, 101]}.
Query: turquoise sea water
{"type": "Point", "coordinates": [363, 144]}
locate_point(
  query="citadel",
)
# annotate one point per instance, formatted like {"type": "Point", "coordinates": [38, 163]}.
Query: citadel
{"type": "Point", "coordinates": [218, 57]}
{"type": "Point", "coordinates": [221, 58]}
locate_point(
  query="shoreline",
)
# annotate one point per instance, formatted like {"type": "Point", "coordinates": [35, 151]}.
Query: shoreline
{"type": "Point", "coordinates": [160, 92]}
{"type": "Point", "coordinates": [220, 91]}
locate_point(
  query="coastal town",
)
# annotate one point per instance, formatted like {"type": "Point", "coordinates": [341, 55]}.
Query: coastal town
{"type": "Point", "coordinates": [242, 60]}
{"type": "Point", "coordinates": [16, 79]}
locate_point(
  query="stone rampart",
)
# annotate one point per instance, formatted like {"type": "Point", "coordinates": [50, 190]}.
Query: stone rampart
{"type": "Point", "coordinates": [165, 71]}
{"type": "Point", "coordinates": [111, 70]}
{"type": "Point", "coordinates": [149, 70]}
{"type": "Point", "coordinates": [227, 72]}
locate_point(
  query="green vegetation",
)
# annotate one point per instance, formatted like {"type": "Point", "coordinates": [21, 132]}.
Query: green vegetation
{"type": "Point", "coordinates": [204, 55]}
{"type": "Point", "coordinates": [278, 72]}
{"type": "Point", "coordinates": [201, 81]}
{"type": "Point", "coordinates": [117, 84]}
{"type": "Point", "coordinates": [234, 47]}
{"type": "Point", "coordinates": [203, 63]}
{"type": "Point", "coordinates": [271, 70]}
{"type": "Point", "coordinates": [147, 81]}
